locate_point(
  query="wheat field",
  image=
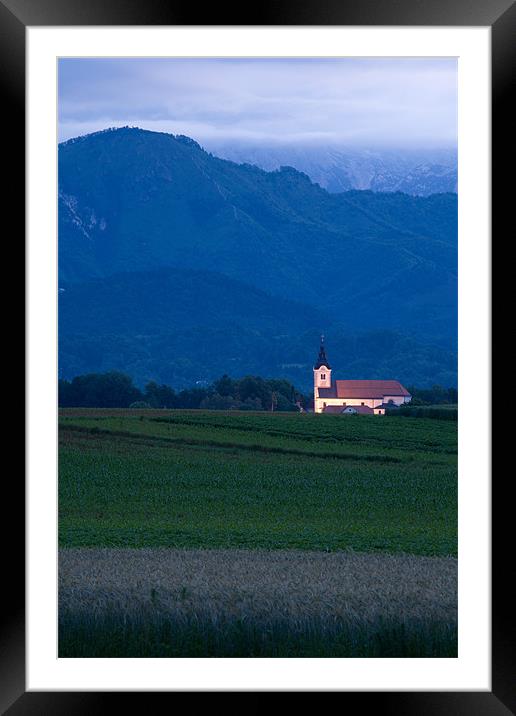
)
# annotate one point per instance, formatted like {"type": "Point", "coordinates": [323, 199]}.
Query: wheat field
{"type": "Point", "coordinates": [178, 602]}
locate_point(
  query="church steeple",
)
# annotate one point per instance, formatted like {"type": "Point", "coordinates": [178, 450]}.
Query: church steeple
{"type": "Point", "coordinates": [322, 378]}
{"type": "Point", "coordinates": [321, 359]}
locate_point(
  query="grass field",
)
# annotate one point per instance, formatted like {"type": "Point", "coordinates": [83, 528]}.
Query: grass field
{"type": "Point", "coordinates": [261, 501]}
{"type": "Point", "coordinates": [194, 479]}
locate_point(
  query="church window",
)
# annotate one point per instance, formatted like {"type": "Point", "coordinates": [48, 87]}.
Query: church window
{"type": "Point", "coordinates": [323, 376]}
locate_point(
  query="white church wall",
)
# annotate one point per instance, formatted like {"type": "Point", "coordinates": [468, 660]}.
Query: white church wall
{"type": "Point", "coordinates": [370, 402]}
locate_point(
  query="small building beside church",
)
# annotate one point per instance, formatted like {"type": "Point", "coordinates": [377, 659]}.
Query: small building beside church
{"type": "Point", "coordinates": [352, 397]}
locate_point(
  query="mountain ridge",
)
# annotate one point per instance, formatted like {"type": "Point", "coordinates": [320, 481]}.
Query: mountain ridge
{"type": "Point", "coordinates": [136, 203]}
{"type": "Point", "coordinates": [144, 200]}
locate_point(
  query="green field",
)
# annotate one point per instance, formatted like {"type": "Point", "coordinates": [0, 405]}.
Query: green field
{"type": "Point", "coordinates": [210, 480]}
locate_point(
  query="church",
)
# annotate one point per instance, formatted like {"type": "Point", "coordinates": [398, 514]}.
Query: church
{"type": "Point", "coordinates": [348, 397]}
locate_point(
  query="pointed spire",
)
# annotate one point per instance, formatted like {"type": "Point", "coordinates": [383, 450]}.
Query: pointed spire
{"type": "Point", "coordinates": [321, 359]}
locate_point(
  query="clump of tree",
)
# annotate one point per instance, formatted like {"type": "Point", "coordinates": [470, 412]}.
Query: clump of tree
{"type": "Point", "coordinates": [99, 390]}
{"type": "Point", "coordinates": [116, 390]}
{"type": "Point", "coordinates": [436, 395]}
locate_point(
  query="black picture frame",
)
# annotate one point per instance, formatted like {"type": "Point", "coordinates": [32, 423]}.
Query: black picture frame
{"type": "Point", "coordinates": [500, 15]}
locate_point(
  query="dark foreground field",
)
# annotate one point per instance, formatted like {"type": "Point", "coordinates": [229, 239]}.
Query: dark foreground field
{"type": "Point", "coordinates": [209, 534]}
{"type": "Point", "coordinates": [168, 602]}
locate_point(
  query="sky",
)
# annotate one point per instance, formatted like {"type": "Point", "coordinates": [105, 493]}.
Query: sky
{"type": "Point", "coordinates": [354, 102]}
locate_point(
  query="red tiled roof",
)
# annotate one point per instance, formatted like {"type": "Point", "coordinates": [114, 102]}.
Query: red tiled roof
{"type": "Point", "coordinates": [369, 388]}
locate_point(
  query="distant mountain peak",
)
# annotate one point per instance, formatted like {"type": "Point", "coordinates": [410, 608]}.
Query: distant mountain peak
{"type": "Point", "coordinates": [131, 130]}
{"type": "Point", "coordinates": [99, 133]}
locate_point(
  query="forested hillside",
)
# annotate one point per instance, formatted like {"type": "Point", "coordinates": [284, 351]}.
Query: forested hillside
{"type": "Point", "coordinates": [176, 265]}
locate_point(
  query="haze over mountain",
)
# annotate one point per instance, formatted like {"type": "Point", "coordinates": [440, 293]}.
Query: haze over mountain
{"type": "Point", "coordinates": [177, 265]}
{"type": "Point", "coordinates": [338, 169]}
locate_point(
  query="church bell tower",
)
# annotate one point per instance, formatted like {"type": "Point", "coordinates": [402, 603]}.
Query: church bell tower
{"type": "Point", "coordinates": [322, 376]}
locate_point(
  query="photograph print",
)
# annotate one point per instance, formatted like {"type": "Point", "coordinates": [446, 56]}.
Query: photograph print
{"type": "Point", "coordinates": [257, 357]}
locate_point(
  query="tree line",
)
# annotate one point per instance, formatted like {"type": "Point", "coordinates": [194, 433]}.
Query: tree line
{"type": "Point", "coordinates": [117, 390]}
